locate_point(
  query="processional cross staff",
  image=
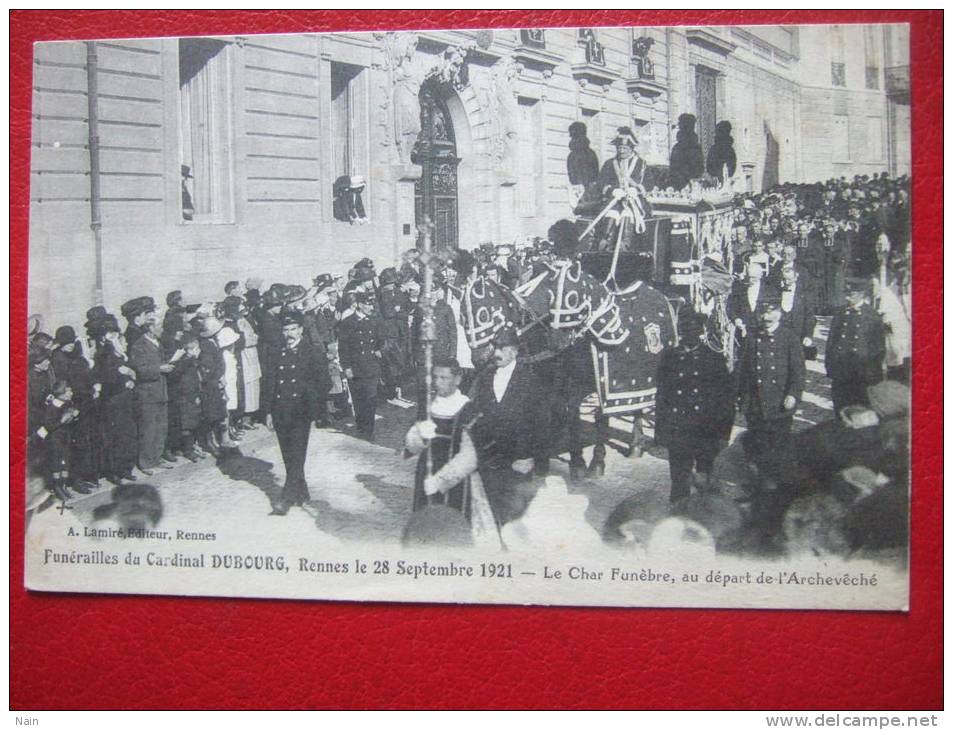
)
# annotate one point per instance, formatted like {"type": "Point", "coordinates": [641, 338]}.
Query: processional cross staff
{"type": "Point", "coordinates": [428, 327]}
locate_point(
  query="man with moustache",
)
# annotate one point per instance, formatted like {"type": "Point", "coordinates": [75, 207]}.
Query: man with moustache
{"type": "Point", "coordinates": [771, 381]}
{"type": "Point", "coordinates": [513, 425]}
{"type": "Point", "coordinates": [292, 395]}
{"type": "Point", "coordinates": [797, 306]}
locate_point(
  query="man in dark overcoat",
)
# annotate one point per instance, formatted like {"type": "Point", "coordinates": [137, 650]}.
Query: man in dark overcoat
{"type": "Point", "coordinates": [694, 406]}
{"type": "Point", "coordinates": [797, 305]}
{"type": "Point", "coordinates": [513, 426]}
{"type": "Point", "coordinates": [360, 345]}
{"type": "Point", "coordinates": [152, 399]}
{"type": "Point", "coordinates": [855, 349]}
{"type": "Point", "coordinates": [771, 381]}
{"type": "Point", "coordinates": [292, 395]}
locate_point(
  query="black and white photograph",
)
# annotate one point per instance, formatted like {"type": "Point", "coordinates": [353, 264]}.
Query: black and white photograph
{"type": "Point", "coordinates": [610, 316]}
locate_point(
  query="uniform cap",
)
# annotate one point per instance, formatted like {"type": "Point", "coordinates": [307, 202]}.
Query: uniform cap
{"type": "Point", "coordinates": [506, 337]}
{"type": "Point", "coordinates": [291, 318]}
{"type": "Point", "coordinates": [139, 305]}
{"type": "Point", "coordinates": [389, 276]}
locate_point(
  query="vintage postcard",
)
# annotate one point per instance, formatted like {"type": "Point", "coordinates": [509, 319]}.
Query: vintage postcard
{"type": "Point", "coordinates": [579, 316]}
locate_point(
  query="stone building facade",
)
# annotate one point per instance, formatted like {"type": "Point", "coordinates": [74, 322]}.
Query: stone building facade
{"type": "Point", "coordinates": [217, 159]}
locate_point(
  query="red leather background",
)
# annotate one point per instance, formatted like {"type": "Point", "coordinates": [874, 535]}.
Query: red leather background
{"type": "Point", "coordinates": [140, 652]}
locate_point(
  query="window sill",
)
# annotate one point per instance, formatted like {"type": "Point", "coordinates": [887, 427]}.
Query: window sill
{"type": "Point", "coordinates": [207, 223]}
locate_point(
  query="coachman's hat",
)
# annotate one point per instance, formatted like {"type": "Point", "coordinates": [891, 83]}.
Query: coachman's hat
{"type": "Point", "coordinates": [625, 137]}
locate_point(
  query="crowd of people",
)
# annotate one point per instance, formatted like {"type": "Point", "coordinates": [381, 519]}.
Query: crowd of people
{"type": "Point", "coordinates": [144, 394]}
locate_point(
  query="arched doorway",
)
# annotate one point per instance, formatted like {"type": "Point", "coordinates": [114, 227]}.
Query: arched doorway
{"type": "Point", "coordinates": [435, 193]}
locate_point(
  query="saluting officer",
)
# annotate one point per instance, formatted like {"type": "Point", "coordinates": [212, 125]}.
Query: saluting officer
{"type": "Point", "coordinates": [292, 395]}
{"type": "Point", "coordinates": [694, 407]}
{"type": "Point", "coordinates": [771, 381]}
{"type": "Point", "coordinates": [360, 342]}
{"type": "Point", "coordinates": [855, 349]}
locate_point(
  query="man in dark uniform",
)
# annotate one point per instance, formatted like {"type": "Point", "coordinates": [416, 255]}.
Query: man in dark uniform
{"type": "Point", "coordinates": [360, 345]}
{"type": "Point", "coordinates": [269, 329]}
{"type": "Point", "coordinates": [395, 311]}
{"type": "Point", "coordinates": [855, 349]}
{"type": "Point", "coordinates": [771, 380]}
{"type": "Point", "coordinates": [292, 392]}
{"type": "Point", "coordinates": [694, 408]}
{"type": "Point", "coordinates": [511, 432]}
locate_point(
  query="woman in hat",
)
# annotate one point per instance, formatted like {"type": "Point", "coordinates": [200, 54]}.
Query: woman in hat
{"type": "Point", "coordinates": [70, 364]}
{"type": "Point", "coordinates": [212, 370]}
{"type": "Point", "coordinates": [232, 343]}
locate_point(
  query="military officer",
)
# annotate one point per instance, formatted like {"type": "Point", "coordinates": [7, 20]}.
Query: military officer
{"type": "Point", "coordinates": [395, 312]}
{"type": "Point", "coordinates": [694, 407]}
{"type": "Point", "coordinates": [360, 345]}
{"type": "Point", "coordinates": [771, 380]}
{"type": "Point", "coordinates": [293, 391]}
{"type": "Point", "coordinates": [855, 349]}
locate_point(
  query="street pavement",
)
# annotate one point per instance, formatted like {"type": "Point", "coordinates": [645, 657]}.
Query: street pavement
{"type": "Point", "coordinates": [362, 491]}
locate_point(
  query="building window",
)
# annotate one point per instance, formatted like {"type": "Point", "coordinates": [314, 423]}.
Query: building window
{"type": "Point", "coordinates": [205, 131]}
{"type": "Point", "coordinates": [838, 63]}
{"type": "Point", "coordinates": [343, 112]}
{"type": "Point", "coordinates": [838, 74]}
{"type": "Point", "coordinates": [595, 53]}
{"type": "Point", "coordinates": [347, 173]}
{"type": "Point", "coordinates": [529, 158]}
{"type": "Point", "coordinates": [840, 139]}
{"type": "Point", "coordinates": [875, 134]}
{"type": "Point", "coordinates": [533, 37]}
